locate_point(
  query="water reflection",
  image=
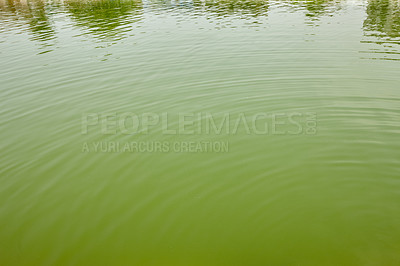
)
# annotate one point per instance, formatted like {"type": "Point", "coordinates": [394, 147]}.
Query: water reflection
{"type": "Point", "coordinates": [243, 9]}
{"type": "Point", "coordinates": [318, 8]}
{"type": "Point", "coordinates": [314, 9]}
{"type": "Point", "coordinates": [112, 20]}
{"type": "Point", "coordinates": [33, 16]}
{"type": "Point", "coordinates": [108, 20]}
{"type": "Point", "coordinates": [219, 13]}
{"type": "Point", "coordinates": [105, 19]}
{"type": "Point", "coordinates": [383, 18]}
{"type": "Point", "coordinates": [382, 27]}
{"type": "Point", "coordinates": [239, 8]}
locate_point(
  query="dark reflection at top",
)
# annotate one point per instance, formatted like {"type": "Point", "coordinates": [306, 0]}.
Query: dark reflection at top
{"type": "Point", "coordinates": [239, 8]}
{"type": "Point", "coordinates": [314, 9]}
{"type": "Point", "coordinates": [105, 19]}
{"type": "Point", "coordinates": [110, 20]}
{"type": "Point", "coordinates": [383, 18]}
{"type": "Point", "coordinates": [34, 16]}
{"type": "Point", "coordinates": [382, 27]}
{"type": "Point", "coordinates": [244, 9]}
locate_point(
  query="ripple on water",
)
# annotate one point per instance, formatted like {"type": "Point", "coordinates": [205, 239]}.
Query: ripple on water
{"type": "Point", "coordinates": [324, 198]}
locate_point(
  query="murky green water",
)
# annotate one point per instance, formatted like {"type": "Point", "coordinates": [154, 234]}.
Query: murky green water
{"type": "Point", "coordinates": [200, 132]}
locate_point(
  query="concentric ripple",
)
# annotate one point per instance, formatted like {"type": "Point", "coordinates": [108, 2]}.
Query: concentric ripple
{"type": "Point", "coordinates": [313, 181]}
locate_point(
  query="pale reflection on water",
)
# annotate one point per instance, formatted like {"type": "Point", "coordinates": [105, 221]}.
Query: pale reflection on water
{"type": "Point", "coordinates": [105, 19]}
{"type": "Point", "coordinates": [112, 21]}
{"type": "Point", "coordinates": [382, 27]}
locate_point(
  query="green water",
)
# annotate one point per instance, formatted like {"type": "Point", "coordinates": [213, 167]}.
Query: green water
{"type": "Point", "coordinates": [109, 154]}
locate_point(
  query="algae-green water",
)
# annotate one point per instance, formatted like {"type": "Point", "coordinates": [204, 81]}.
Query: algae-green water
{"type": "Point", "coordinates": [225, 132]}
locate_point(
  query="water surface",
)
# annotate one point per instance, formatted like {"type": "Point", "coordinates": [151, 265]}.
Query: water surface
{"type": "Point", "coordinates": [289, 197]}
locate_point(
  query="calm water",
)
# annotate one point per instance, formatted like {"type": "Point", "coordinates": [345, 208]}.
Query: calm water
{"type": "Point", "coordinates": [315, 180]}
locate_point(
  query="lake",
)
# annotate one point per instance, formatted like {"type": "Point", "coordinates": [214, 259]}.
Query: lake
{"type": "Point", "coordinates": [214, 132]}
